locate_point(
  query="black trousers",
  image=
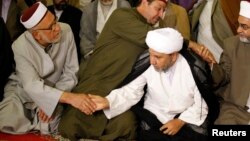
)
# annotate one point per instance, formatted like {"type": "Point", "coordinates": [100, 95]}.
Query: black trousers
{"type": "Point", "coordinates": [154, 133]}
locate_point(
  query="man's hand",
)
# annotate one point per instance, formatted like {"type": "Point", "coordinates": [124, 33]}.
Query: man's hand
{"type": "Point", "coordinates": [172, 127]}
{"type": "Point", "coordinates": [80, 101]}
{"type": "Point", "coordinates": [43, 117]}
{"type": "Point", "coordinates": [101, 102]}
{"type": "Point", "coordinates": [202, 51]}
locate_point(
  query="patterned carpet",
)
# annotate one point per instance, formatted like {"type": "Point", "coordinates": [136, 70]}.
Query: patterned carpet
{"type": "Point", "coordinates": [34, 137]}
{"type": "Point", "coordinates": [26, 137]}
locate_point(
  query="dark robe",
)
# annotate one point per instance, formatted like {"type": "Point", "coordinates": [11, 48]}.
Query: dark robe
{"type": "Point", "coordinates": [6, 57]}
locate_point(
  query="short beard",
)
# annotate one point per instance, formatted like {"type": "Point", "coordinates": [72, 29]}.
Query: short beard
{"type": "Point", "coordinates": [244, 40]}
{"type": "Point", "coordinates": [165, 69]}
{"type": "Point", "coordinates": [61, 6]}
{"type": "Point", "coordinates": [45, 38]}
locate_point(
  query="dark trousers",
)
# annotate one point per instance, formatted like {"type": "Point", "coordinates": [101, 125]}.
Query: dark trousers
{"type": "Point", "coordinates": [154, 133]}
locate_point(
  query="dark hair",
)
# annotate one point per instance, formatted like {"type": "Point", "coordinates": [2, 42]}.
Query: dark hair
{"type": "Point", "coordinates": [30, 2]}
{"type": "Point", "coordinates": [139, 2]}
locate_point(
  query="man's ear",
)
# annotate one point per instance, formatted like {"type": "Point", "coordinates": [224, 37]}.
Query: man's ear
{"type": "Point", "coordinates": [35, 34]}
{"type": "Point", "coordinates": [174, 57]}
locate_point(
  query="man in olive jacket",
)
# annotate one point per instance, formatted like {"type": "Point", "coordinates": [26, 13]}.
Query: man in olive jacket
{"type": "Point", "coordinates": [120, 43]}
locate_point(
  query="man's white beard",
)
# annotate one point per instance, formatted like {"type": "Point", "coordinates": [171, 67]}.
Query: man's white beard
{"type": "Point", "coordinates": [45, 38]}
{"type": "Point", "coordinates": [244, 40]}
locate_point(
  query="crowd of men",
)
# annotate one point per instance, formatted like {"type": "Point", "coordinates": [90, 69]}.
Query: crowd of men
{"type": "Point", "coordinates": [124, 70]}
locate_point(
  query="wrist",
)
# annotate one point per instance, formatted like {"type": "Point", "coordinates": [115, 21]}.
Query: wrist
{"type": "Point", "coordinates": [106, 103]}
{"type": "Point", "coordinates": [65, 98]}
{"type": "Point", "coordinates": [191, 44]}
{"type": "Point", "coordinates": [181, 122]}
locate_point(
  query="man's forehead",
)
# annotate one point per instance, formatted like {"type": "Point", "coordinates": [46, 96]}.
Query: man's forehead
{"type": "Point", "coordinates": [165, 1]}
{"type": "Point", "coordinates": [160, 2]}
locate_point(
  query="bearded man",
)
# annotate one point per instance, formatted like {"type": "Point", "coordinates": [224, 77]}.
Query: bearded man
{"type": "Point", "coordinates": [68, 14]}
{"type": "Point", "coordinates": [46, 67]}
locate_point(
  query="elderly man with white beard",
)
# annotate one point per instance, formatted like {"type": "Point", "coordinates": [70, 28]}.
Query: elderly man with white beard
{"type": "Point", "coordinates": [234, 69]}
{"type": "Point", "coordinates": [46, 67]}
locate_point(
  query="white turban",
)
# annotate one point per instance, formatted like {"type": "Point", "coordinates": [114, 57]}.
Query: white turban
{"type": "Point", "coordinates": [245, 9]}
{"type": "Point", "coordinates": [164, 40]}
{"type": "Point", "coordinates": [33, 15]}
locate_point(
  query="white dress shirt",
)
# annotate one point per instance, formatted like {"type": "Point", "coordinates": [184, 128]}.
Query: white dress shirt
{"type": "Point", "coordinates": [103, 14]}
{"type": "Point", "coordinates": [168, 94]}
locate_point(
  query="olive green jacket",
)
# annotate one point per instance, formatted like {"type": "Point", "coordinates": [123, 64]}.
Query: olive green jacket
{"type": "Point", "coordinates": [117, 48]}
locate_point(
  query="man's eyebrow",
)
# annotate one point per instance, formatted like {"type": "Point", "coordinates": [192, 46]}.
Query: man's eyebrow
{"type": "Point", "coordinates": [54, 21]}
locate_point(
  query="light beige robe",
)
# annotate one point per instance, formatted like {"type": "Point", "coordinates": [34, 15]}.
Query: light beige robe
{"type": "Point", "coordinates": [39, 81]}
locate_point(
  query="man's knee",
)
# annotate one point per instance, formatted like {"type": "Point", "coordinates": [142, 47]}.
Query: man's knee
{"type": "Point", "coordinates": [125, 125]}
{"type": "Point", "coordinates": [67, 127]}
{"type": "Point", "coordinates": [127, 121]}
{"type": "Point", "coordinates": [122, 127]}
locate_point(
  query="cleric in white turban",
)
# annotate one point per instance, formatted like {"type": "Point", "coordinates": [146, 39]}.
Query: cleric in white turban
{"type": "Point", "coordinates": [164, 42]}
{"type": "Point", "coordinates": [243, 20]}
{"type": "Point", "coordinates": [171, 91]}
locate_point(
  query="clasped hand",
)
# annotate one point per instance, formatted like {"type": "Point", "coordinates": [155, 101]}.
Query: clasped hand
{"type": "Point", "coordinates": [88, 104]}
{"type": "Point", "coordinates": [202, 51]}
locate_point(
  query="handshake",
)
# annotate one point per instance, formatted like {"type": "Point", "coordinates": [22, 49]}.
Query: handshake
{"type": "Point", "coordinates": [88, 103]}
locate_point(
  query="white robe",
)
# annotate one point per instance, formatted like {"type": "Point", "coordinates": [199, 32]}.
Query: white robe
{"type": "Point", "coordinates": [38, 81]}
{"type": "Point", "coordinates": [101, 19]}
{"type": "Point", "coordinates": [168, 94]}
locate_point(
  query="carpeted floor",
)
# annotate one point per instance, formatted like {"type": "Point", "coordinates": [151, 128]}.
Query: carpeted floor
{"type": "Point", "coordinates": [34, 137]}
{"type": "Point", "coordinates": [26, 137]}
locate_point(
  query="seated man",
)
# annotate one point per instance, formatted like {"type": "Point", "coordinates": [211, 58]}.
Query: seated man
{"type": "Point", "coordinates": [176, 106]}
{"type": "Point", "coordinates": [234, 69]}
{"type": "Point", "coordinates": [46, 67]}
